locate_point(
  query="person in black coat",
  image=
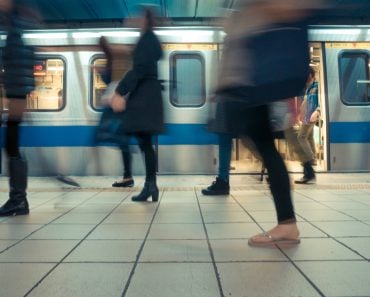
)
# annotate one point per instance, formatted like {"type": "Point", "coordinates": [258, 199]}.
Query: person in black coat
{"type": "Point", "coordinates": [18, 80]}
{"type": "Point", "coordinates": [139, 94]}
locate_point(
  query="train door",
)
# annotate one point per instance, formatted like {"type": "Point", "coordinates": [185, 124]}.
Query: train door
{"type": "Point", "coordinates": [348, 79]}
{"type": "Point", "coordinates": [244, 157]}
{"type": "Point", "coordinates": [186, 146]}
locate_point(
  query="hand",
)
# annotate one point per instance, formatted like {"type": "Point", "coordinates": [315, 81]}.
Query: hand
{"type": "Point", "coordinates": [118, 103]}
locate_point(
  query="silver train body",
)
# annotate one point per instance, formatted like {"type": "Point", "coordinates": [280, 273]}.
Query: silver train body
{"type": "Point", "coordinates": [58, 129]}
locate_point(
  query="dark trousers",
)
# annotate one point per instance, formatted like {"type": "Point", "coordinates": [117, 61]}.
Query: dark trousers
{"type": "Point", "coordinates": [225, 146]}
{"type": "Point", "coordinates": [258, 128]}
{"type": "Point", "coordinates": [127, 161]}
{"type": "Point", "coordinates": [12, 139]}
{"type": "Point", "coordinates": [146, 146]}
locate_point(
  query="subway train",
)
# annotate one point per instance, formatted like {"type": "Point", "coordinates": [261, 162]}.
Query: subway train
{"type": "Point", "coordinates": [58, 131]}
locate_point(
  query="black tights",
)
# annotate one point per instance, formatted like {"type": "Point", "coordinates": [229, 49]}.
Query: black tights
{"type": "Point", "coordinates": [259, 130]}
{"type": "Point", "coordinates": [127, 160]}
{"type": "Point", "coordinates": [145, 143]}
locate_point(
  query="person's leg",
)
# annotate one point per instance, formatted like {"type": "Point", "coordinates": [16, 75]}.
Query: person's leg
{"type": "Point", "coordinates": [311, 141]}
{"type": "Point", "coordinates": [150, 186]}
{"type": "Point", "coordinates": [259, 131]}
{"type": "Point", "coordinates": [127, 180]}
{"type": "Point", "coordinates": [307, 156]}
{"type": "Point", "coordinates": [224, 156]}
{"type": "Point", "coordinates": [17, 203]}
{"type": "Point", "coordinates": [303, 133]}
{"type": "Point", "coordinates": [221, 186]}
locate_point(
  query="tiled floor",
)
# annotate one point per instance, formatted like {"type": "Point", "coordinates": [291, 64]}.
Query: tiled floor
{"type": "Point", "coordinates": [93, 241]}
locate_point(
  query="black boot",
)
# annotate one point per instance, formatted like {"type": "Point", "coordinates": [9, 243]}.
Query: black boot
{"type": "Point", "coordinates": [308, 174]}
{"type": "Point", "coordinates": [150, 189]}
{"type": "Point", "coordinates": [17, 203]}
{"type": "Point", "coordinates": [218, 187]}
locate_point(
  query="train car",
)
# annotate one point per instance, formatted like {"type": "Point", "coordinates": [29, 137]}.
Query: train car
{"type": "Point", "coordinates": [63, 112]}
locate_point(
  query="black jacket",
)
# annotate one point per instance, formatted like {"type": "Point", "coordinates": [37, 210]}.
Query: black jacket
{"type": "Point", "coordinates": [144, 111]}
{"type": "Point", "coordinates": [18, 62]}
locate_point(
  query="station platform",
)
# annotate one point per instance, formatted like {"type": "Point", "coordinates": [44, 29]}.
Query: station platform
{"type": "Point", "coordinates": [94, 241]}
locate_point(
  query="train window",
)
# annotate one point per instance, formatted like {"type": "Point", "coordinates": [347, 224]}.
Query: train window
{"type": "Point", "coordinates": [354, 77]}
{"type": "Point", "coordinates": [48, 94]}
{"type": "Point", "coordinates": [187, 87]}
{"type": "Point", "coordinates": [49, 85]}
{"type": "Point", "coordinates": [98, 85]}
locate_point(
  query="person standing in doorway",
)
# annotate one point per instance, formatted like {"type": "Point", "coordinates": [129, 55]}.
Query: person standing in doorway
{"type": "Point", "coordinates": [309, 115]}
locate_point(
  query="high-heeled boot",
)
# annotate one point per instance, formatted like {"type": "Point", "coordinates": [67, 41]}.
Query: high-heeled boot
{"type": "Point", "coordinates": [17, 203]}
{"type": "Point", "coordinates": [150, 189]}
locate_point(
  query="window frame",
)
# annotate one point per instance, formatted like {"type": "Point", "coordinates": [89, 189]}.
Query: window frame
{"type": "Point", "coordinates": [353, 54]}
{"type": "Point", "coordinates": [172, 65]}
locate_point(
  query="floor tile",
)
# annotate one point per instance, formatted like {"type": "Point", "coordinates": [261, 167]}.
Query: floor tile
{"type": "Point", "coordinates": [232, 230]}
{"type": "Point", "coordinates": [105, 251]}
{"type": "Point", "coordinates": [17, 231]}
{"type": "Point", "coordinates": [34, 218]}
{"type": "Point", "coordinates": [177, 217]}
{"type": "Point", "coordinates": [170, 280]}
{"type": "Point", "coordinates": [177, 231]}
{"type": "Point", "coordinates": [342, 278]}
{"type": "Point", "coordinates": [323, 215]}
{"type": "Point", "coordinates": [29, 251]}
{"type": "Point", "coordinates": [175, 251]}
{"type": "Point", "coordinates": [80, 218]}
{"type": "Point", "coordinates": [320, 249]}
{"type": "Point", "coordinates": [121, 231]}
{"type": "Point", "coordinates": [359, 244]}
{"type": "Point", "coordinates": [226, 217]}
{"type": "Point", "coordinates": [17, 279]}
{"type": "Point", "coordinates": [343, 229]}
{"type": "Point", "coordinates": [5, 244]}
{"type": "Point", "coordinates": [129, 218]}
{"type": "Point", "coordinates": [236, 250]}
{"type": "Point", "coordinates": [62, 231]}
{"type": "Point", "coordinates": [263, 280]}
{"type": "Point", "coordinates": [362, 215]}
{"type": "Point", "coordinates": [93, 280]}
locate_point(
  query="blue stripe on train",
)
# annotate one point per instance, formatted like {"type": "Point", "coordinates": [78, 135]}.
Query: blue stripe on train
{"type": "Point", "coordinates": [83, 136]}
{"type": "Point", "coordinates": [176, 134]}
{"type": "Point", "coordinates": [349, 132]}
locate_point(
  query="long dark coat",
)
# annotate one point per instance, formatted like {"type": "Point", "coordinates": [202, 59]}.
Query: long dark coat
{"type": "Point", "coordinates": [19, 61]}
{"type": "Point", "coordinates": [144, 110]}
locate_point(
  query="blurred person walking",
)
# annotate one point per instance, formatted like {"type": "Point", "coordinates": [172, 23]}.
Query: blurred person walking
{"type": "Point", "coordinates": [18, 80]}
{"type": "Point", "coordinates": [139, 94]}
{"type": "Point", "coordinates": [117, 62]}
{"type": "Point", "coordinates": [248, 84]}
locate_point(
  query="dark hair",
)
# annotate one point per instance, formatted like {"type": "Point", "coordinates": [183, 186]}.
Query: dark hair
{"type": "Point", "coordinates": [149, 17]}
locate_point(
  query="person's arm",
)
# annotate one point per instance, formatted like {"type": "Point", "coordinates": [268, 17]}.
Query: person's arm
{"type": "Point", "coordinates": [142, 59]}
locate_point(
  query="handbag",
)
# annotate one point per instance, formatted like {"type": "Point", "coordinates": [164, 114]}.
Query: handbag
{"type": "Point", "coordinates": [110, 128]}
{"type": "Point", "coordinates": [275, 62]}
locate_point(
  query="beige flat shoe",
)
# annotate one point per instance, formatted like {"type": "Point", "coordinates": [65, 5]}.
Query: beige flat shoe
{"type": "Point", "coordinates": [266, 240]}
